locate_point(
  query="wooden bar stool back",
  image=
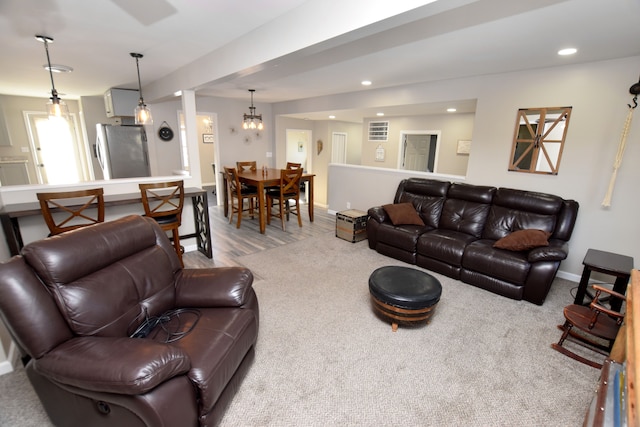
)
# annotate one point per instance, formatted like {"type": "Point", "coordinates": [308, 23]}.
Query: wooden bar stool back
{"type": "Point", "coordinates": [163, 201]}
{"type": "Point", "coordinates": [68, 210]}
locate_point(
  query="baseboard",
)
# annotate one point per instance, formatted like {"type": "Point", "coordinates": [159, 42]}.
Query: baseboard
{"type": "Point", "coordinates": [190, 248]}
{"type": "Point", "coordinates": [5, 367]}
{"type": "Point", "coordinates": [568, 276]}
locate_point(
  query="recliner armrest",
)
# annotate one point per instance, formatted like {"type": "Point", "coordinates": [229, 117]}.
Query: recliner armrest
{"type": "Point", "coordinates": [120, 365]}
{"type": "Point", "coordinates": [378, 213]}
{"type": "Point", "coordinates": [556, 251]}
{"type": "Point", "coordinates": [214, 287]}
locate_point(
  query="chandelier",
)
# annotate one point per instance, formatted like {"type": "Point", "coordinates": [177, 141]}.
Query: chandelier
{"type": "Point", "coordinates": [55, 107]}
{"type": "Point", "coordinates": [142, 112]}
{"type": "Point", "coordinates": [252, 120]}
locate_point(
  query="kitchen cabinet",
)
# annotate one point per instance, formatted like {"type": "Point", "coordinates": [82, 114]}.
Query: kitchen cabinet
{"type": "Point", "coordinates": [14, 172]}
{"type": "Point", "coordinates": [120, 102]}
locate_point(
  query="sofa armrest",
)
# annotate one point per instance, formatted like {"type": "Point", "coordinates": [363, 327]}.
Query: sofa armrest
{"type": "Point", "coordinates": [378, 213]}
{"type": "Point", "coordinates": [556, 251]}
{"type": "Point", "coordinates": [120, 365]}
{"type": "Point", "coordinates": [214, 287]}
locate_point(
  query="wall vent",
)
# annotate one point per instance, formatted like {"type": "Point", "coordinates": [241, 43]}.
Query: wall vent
{"type": "Point", "coordinates": [378, 131]}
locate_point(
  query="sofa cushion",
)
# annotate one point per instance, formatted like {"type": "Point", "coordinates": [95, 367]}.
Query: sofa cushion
{"type": "Point", "coordinates": [216, 346]}
{"type": "Point", "coordinates": [403, 214]}
{"type": "Point", "coordinates": [523, 240]}
{"type": "Point", "coordinates": [444, 245]}
{"type": "Point", "coordinates": [509, 266]}
{"type": "Point", "coordinates": [402, 237]}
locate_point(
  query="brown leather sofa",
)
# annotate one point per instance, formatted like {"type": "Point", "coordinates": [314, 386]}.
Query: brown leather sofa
{"type": "Point", "coordinates": [461, 224]}
{"type": "Point", "coordinates": [72, 303]}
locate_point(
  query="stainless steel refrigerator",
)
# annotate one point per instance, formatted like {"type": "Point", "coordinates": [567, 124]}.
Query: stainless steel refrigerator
{"type": "Point", "coordinates": [122, 151]}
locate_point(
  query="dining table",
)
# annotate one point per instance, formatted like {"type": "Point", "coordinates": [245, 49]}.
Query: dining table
{"type": "Point", "coordinates": [261, 179]}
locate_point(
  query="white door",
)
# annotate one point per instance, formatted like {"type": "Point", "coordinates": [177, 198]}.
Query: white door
{"type": "Point", "coordinates": [339, 147]}
{"type": "Point", "coordinates": [419, 150]}
{"type": "Point", "coordinates": [57, 155]}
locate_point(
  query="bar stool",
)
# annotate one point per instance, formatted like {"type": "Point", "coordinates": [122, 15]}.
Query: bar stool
{"type": "Point", "coordinates": [163, 201]}
{"type": "Point", "coordinates": [73, 209]}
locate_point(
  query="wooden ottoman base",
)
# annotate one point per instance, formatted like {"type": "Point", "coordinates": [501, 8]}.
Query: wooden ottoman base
{"type": "Point", "coordinates": [407, 316]}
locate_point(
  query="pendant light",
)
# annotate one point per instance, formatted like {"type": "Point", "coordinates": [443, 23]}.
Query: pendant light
{"type": "Point", "coordinates": [56, 107]}
{"type": "Point", "coordinates": [142, 112]}
{"type": "Point", "coordinates": [252, 118]}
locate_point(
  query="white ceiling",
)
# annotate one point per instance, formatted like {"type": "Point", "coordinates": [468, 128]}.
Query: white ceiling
{"type": "Point", "coordinates": [223, 47]}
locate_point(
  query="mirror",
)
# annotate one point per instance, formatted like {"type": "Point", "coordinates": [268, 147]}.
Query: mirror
{"type": "Point", "coordinates": [539, 140]}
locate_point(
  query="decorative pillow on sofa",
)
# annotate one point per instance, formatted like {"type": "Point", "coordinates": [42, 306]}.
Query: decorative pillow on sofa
{"type": "Point", "coordinates": [523, 240]}
{"type": "Point", "coordinates": [403, 214]}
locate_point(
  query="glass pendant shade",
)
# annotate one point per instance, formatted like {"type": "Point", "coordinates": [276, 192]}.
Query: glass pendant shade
{"type": "Point", "coordinates": [143, 114]}
{"type": "Point", "coordinates": [57, 108]}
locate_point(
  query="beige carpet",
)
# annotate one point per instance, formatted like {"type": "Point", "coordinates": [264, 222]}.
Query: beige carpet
{"type": "Point", "coordinates": [324, 358]}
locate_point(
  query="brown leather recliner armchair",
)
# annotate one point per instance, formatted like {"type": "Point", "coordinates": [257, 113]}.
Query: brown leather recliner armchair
{"type": "Point", "coordinates": [72, 303]}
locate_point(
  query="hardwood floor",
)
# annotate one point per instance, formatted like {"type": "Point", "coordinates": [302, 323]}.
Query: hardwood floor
{"type": "Point", "coordinates": [229, 242]}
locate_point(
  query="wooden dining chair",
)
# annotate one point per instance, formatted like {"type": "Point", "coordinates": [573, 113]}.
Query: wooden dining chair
{"type": "Point", "coordinates": [247, 166]}
{"type": "Point", "coordinates": [237, 195]}
{"type": "Point", "coordinates": [289, 189]}
{"type": "Point", "coordinates": [244, 167]}
{"type": "Point", "coordinates": [292, 165]}
{"type": "Point", "coordinates": [597, 328]}
{"type": "Point", "coordinates": [163, 201]}
{"type": "Point", "coordinates": [68, 210]}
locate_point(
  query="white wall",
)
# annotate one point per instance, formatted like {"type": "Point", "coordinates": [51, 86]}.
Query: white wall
{"type": "Point", "coordinates": [598, 93]}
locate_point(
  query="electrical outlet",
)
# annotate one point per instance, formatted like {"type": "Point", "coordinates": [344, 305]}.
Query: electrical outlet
{"type": "Point", "coordinates": [348, 205]}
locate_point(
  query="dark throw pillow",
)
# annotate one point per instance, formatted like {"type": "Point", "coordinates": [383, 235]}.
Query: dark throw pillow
{"type": "Point", "coordinates": [403, 214]}
{"type": "Point", "coordinates": [523, 240]}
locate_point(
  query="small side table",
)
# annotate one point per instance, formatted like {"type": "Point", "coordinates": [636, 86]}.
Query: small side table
{"type": "Point", "coordinates": [619, 266]}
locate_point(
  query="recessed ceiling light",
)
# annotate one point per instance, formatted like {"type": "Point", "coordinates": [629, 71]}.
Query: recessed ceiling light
{"type": "Point", "coordinates": [380, 114]}
{"type": "Point", "coordinates": [567, 51]}
{"type": "Point", "coordinates": [451, 110]}
{"type": "Point", "coordinates": [332, 117]}
{"type": "Point", "coordinates": [366, 83]}
{"type": "Point", "coordinates": [57, 68]}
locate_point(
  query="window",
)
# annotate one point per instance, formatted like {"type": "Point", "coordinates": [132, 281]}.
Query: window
{"type": "Point", "coordinates": [378, 131]}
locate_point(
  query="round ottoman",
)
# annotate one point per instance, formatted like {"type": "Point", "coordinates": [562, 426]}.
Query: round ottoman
{"type": "Point", "coordinates": [404, 295]}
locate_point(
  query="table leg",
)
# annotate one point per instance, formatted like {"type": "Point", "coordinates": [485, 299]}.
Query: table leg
{"type": "Point", "coordinates": [261, 207]}
{"type": "Point", "coordinates": [12, 234]}
{"type": "Point", "coordinates": [201, 222]}
{"type": "Point", "coordinates": [620, 286]}
{"type": "Point", "coordinates": [582, 287]}
{"type": "Point", "coordinates": [311, 199]}
{"type": "Point", "coordinates": [226, 195]}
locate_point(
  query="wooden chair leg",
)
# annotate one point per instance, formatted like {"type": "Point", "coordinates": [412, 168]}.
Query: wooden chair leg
{"type": "Point", "coordinates": [240, 207]}
{"type": "Point", "coordinates": [282, 213]}
{"type": "Point", "coordinates": [269, 206]}
{"type": "Point", "coordinates": [176, 244]}
{"type": "Point", "coordinates": [298, 213]}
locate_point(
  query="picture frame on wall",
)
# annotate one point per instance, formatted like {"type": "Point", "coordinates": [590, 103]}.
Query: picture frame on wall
{"type": "Point", "coordinates": [207, 138]}
{"type": "Point", "coordinates": [464, 147]}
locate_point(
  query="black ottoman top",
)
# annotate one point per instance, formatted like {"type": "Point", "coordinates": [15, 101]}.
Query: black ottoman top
{"type": "Point", "coordinates": [404, 287]}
